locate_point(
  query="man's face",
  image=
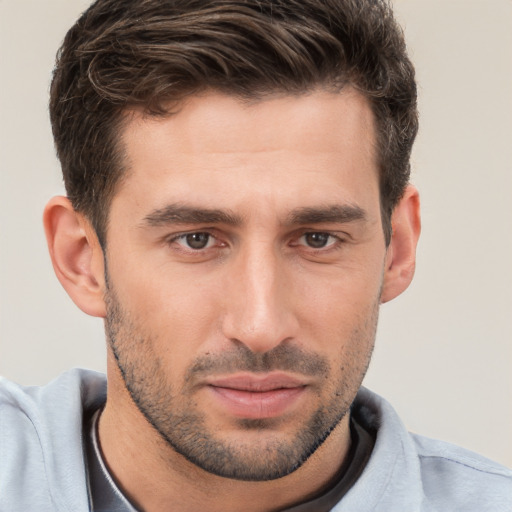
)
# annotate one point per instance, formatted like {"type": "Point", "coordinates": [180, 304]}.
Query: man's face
{"type": "Point", "coordinates": [245, 257]}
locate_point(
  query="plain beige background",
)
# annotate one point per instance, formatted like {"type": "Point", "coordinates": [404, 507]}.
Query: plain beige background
{"type": "Point", "coordinates": [444, 349]}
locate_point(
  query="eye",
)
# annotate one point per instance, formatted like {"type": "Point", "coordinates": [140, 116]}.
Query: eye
{"type": "Point", "coordinates": [195, 241]}
{"type": "Point", "coordinates": [317, 240]}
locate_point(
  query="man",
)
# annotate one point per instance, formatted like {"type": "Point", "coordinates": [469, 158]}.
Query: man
{"type": "Point", "coordinates": [238, 207]}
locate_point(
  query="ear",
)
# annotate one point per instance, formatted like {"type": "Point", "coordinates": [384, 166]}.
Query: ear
{"type": "Point", "coordinates": [401, 253]}
{"type": "Point", "coordinates": [76, 254]}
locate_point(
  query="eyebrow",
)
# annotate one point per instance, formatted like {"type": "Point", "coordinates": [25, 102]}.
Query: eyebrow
{"type": "Point", "coordinates": [181, 214]}
{"type": "Point", "coordinates": [332, 214]}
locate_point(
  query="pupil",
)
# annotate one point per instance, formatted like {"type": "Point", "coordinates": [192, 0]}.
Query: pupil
{"type": "Point", "coordinates": [198, 240]}
{"type": "Point", "coordinates": [317, 240]}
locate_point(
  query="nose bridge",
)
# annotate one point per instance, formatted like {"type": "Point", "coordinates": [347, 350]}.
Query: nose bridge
{"type": "Point", "coordinates": [258, 312]}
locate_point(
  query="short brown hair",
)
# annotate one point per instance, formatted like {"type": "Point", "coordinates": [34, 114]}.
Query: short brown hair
{"type": "Point", "coordinates": [150, 53]}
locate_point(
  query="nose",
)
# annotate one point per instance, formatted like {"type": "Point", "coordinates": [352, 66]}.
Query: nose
{"type": "Point", "coordinates": [259, 300]}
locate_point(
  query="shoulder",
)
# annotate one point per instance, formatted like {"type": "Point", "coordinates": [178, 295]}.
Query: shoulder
{"type": "Point", "coordinates": [42, 410]}
{"type": "Point", "coordinates": [42, 467]}
{"type": "Point", "coordinates": [77, 388]}
{"type": "Point", "coordinates": [468, 479]}
{"type": "Point", "coordinates": [411, 472]}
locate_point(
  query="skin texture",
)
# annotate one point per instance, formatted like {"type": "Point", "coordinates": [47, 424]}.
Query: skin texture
{"type": "Point", "coordinates": [245, 242]}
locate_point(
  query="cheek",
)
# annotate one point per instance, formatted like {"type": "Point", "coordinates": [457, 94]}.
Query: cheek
{"type": "Point", "coordinates": [177, 312]}
{"type": "Point", "coordinates": [337, 306]}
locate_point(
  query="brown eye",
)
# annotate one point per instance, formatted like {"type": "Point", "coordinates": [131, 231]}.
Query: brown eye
{"type": "Point", "coordinates": [197, 240]}
{"type": "Point", "coordinates": [316, 240]}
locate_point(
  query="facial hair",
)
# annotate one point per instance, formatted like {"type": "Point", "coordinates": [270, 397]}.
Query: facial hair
{"type": "Point", "coordinates": [176, 417]}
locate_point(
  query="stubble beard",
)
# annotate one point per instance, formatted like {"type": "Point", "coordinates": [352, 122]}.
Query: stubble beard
{"type": "Point", "coordinates": [183, 427]}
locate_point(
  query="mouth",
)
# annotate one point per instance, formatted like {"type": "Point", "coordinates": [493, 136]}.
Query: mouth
{"type": "Point", "coordinates": [251, 396]}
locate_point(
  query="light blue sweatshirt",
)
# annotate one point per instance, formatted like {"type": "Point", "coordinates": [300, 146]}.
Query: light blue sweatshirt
{"type": "Point", "coordinates": [42, 457]}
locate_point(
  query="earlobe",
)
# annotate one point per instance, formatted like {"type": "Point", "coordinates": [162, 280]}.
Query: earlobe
{"type": "Point", "coordinates": [76, 255]}
{"type": "Point", "coordinates": [401, 253]}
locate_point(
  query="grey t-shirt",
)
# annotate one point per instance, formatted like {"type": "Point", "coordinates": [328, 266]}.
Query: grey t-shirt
{"type": "Point", "coordinates": [104, 494]}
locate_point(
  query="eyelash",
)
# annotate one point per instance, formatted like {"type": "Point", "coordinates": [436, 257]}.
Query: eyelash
{"type": "Point", "coordinates": [336, 240]}
{"type": "Point", "coordinates": [183, 236]}
{"type": "Point", "coordinates": [334, 245]}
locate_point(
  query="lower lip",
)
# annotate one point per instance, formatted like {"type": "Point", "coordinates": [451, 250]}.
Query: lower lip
{"type": "Point", "coordinates": [257, 405]}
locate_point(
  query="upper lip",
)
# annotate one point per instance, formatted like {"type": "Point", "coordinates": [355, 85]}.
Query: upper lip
{"type": "Point", "coordinates": [257, 383]}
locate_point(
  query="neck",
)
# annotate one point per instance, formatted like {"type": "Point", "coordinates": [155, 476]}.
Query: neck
{"type": "Point", "coordinates": [152, 474]}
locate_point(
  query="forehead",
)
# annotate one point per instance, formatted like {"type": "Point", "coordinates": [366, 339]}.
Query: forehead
{"type": "Point", "coordinates": [218, 149]}
{"type": "Point", "coordinates": [218, 122]}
